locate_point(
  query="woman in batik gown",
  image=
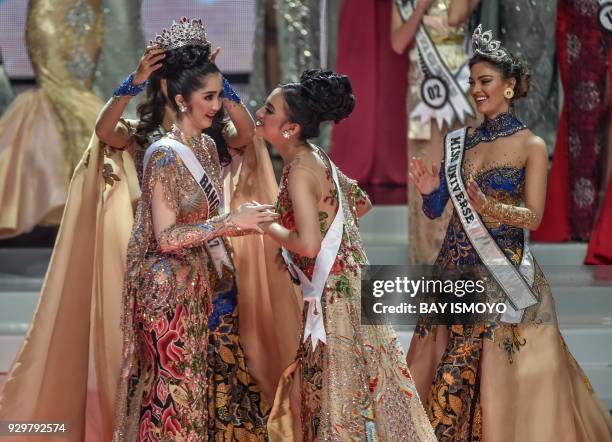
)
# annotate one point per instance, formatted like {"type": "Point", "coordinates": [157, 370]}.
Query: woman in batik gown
{"type": "Point", "coordinates": [168, 296]}
{"type": "Point", "coordinates": [500, 380]}
{"type": "Point", "coordinates": [350, 388]}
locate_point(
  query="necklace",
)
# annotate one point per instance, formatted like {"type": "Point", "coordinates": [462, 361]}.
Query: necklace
{"type": "Point", "coordinates": [199, 146]}
{"type": "Point", "coordinates": [504, 125]}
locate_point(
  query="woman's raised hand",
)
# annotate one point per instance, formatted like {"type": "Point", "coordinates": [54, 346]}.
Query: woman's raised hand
{"type": "Point", "coordinates": [424, 180]}
{"type": "Point", "coordinates": [149, 63]}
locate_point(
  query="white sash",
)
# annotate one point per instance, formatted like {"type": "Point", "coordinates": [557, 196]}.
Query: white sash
{"type": "Point", "coordinates": [215, 247]}
{"type": "Point", "coordinates": [458, 101]}
{"type": "Point", "coordinates": [312, 290]}
{"type": "Point", "coordinates": [516, 283]}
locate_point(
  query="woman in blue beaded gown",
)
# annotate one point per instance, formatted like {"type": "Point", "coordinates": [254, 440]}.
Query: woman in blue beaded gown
{"type": "Point", "coordinates": [512, 377]}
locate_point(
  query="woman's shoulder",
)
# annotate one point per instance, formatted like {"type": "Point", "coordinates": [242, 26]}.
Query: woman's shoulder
{"type": "Point", "coordinates": [160, 153]}
{"type": "Point", "coordinates": [530, 141]}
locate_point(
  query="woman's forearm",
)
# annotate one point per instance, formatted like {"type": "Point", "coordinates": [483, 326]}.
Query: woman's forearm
{"type": "Point", "coordinates": [108, 129]}
{"type": "Point", "coordinates": [240, 116]}
{"type": "Point", "coordinates": [402, 33]}
{"type": "Point", "coordinates": [292, 241]}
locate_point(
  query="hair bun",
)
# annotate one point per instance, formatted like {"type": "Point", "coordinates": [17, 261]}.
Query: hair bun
{"type": "Point", "coordinates": [185, 57]}
{"type": "Point", "coordinates": [523, 75]}
{"type": "Point", "coordinates": [329, 95]}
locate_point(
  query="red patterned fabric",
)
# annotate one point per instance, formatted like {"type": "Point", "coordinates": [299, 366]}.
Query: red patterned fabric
{"type": "Point", "coordinates": [575, 177]}
{"type": "Point", "coordinates": [370, 146]}
{"type": "Point", "coordinates": [600, 246]}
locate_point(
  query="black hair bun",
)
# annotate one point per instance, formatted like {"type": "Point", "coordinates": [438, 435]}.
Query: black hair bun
{"type": "Point", "coordinates": [329, 95]}
{"type": "Point", "coordinates": [184, 58]}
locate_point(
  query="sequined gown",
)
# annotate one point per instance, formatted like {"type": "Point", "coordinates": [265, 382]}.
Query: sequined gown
{"type": "Point", "coordinates": [480, 381]}
{"type": "Point", "coordinates": [45, 130]}
{"type": "Point", "coordinates": [170, 292]}
{"type": "Point", "coordinates": [351, 388]}
{"type": "Point", "coordinates": [232, 394]}
{"type": "Point", "coordinates": [424, 134]}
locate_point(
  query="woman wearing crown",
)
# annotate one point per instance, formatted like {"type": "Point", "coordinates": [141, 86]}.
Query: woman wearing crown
{"type": "Point", "coordinates": [511, 377]}
{"type": "Point", "coordinates": [170, 302]}
{"type": "Point", "coordinates": [100, 210]}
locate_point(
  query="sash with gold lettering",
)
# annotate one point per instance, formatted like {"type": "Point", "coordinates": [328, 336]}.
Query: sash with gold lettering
{"type": "Point", "coordinates": [515, 282]}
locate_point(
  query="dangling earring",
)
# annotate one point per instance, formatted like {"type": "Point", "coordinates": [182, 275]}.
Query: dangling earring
{"type": "Point", "coordinates": [182, 108]}
{"type": "Point", "coordinates": [509, 93]}
{"type": "Point", "coordinates": [286, 134]}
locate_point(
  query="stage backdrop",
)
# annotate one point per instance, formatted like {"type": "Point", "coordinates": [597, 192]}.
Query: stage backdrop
{"type": "Point", "coordinates": [230, 24]}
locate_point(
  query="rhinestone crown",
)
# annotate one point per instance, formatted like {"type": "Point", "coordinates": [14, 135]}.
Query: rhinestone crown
{"type": "Point", "coordinates": [483, 44]}
{"type": "Point", "coordinates": [185, 32]}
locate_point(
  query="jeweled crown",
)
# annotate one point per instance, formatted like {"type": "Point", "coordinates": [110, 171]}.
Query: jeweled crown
{"type": "Point", "coordinates": [185, 32]}
{"type": "Point", "coordinates": [483, 44]}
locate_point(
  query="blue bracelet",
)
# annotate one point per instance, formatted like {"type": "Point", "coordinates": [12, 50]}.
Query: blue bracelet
{"type": "Point", "coordinates": [229, 92]}
{"type": "Point", "coordinates": [128, 88]}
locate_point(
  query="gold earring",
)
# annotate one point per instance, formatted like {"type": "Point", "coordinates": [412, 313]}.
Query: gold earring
{"type": "Point", "coordinates": [509, 93]}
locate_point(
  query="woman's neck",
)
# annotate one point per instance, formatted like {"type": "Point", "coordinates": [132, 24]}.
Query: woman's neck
{"type": "Point", "coordinates": [188, 129]}
{"type": "Point", "coordinates": [494, 115]}
{"type": "Point", "coordinates": [291, 151]}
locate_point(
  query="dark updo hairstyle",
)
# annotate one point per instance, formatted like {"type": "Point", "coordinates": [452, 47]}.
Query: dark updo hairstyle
{"type": "Point", "coordinates": [510, 66]}
{"type": "Point", "coordinates": [183, 68]}
{"type": "Point", "coordinates": [319, 96]}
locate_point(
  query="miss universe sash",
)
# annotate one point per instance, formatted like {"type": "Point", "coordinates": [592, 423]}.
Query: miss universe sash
{"type": "Point", "coordinates": [215, 247]}
{"type": "Point", "coordinates": [312, 290]}
{"type": "Point", "coordinates": [516, 283]}
{"type": "Point", "coordinates": [446, 96]}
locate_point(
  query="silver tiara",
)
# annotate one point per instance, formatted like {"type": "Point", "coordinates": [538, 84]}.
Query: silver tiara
{"type": "Point", "coordinates": [185, 32]}
{"type": "Point", "coordinates": [483, 44]}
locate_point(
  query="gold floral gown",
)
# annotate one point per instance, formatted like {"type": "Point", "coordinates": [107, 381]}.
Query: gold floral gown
{"type": "Point", "coordinates": [356, 386]}
{"type": "Point", "coordinates": [176, 352]}
{"type": "Point", "coordinates": [494, 381]}
{"type": "Point", "coordinates": [45, 130]}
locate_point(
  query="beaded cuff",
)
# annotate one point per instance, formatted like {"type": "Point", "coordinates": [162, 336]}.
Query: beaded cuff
{"type": "Point", "coordinates": [128, 88]}
{"type": "Point", "coordinates": [435, 202]}
{"type": "Point", "coordinates": [516, 216]}
{"type": "Point", "coordinates": [229, 92]}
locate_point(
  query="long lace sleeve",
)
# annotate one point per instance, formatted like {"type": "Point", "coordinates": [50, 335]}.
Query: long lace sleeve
{"type": "Point", "coordinates": [516, 216]}
{"type": "Point", "coordinates": [435, 202]}
{"type": "Point", "coordinates": [184, 236]}
{"type": "Point", "coordinates": [163, 176]}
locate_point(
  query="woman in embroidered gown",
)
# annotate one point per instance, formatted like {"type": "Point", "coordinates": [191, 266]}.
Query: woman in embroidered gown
{"type": "Point", "coordinates": [236, 408]}
{"type": "Point", "coordinates": [501, 380]}
{"type": "Point", "coordinates": [168, 292]}
{"type": "Point", "coordinates": [354, 384]}
{"type": "Point", "coordinates": [445, 22]}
